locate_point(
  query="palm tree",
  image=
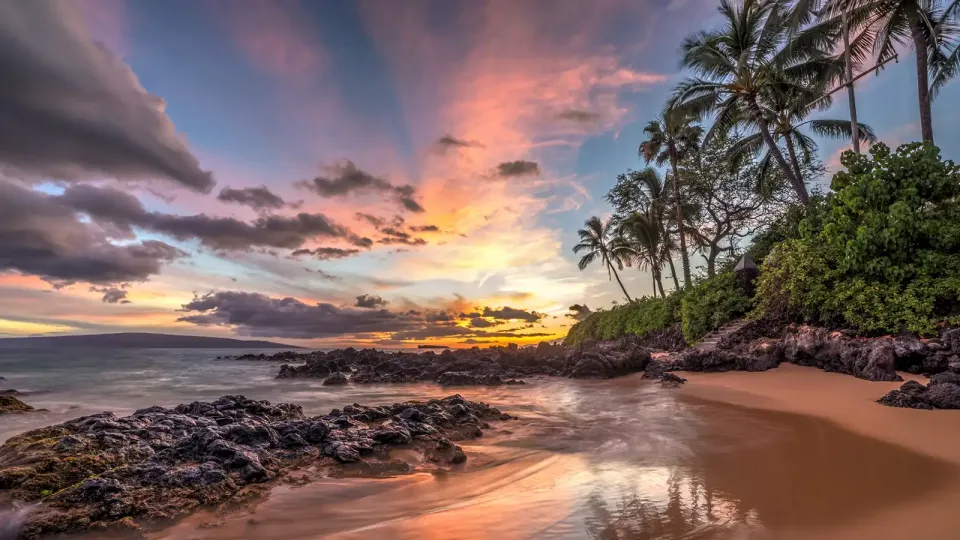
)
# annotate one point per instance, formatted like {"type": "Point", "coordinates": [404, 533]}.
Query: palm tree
{"type": "Point", "coordinates": [672, 138]}
{"type": "Point", "coordinates": [786, 114]}
{"type": "Point", "coordinates": [595, 240]}
{"type": "Point", "coordinates": [907, 22]}
{"type": "Point", "coordinates": [648, 192]}
{"type": "Point", "coordinates": [755, 52]}
{"type": "Point", "coordinates": [642, 241]}
{"type": "Point", "coordinates": [944, 50]}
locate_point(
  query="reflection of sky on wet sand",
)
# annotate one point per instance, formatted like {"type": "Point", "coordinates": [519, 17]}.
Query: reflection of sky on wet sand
{"type": "Point", "coordinates": [612, 460]}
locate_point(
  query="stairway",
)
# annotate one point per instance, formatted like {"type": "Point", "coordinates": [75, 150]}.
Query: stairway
{"type": "Point", "coordinates": [712, 340]}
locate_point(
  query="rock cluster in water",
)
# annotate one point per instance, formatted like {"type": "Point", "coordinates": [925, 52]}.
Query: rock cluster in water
{"type": "Point", "coordinates": [102, 472]}
{"type": "Point", "coordinates": [493, 366]}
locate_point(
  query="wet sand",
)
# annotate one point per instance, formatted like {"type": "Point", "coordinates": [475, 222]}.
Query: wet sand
{"type": "Point", "coordinates": [850, 404]}
{"type": "Point", "coordinates": [625, 459]}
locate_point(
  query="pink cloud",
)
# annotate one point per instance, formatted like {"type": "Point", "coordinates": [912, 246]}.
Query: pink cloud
{"type": "Point", "coordinates": [274, 37]}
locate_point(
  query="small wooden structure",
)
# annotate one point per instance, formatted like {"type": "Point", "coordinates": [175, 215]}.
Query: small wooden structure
{"type": "Point", "coordinates": [746, 271]}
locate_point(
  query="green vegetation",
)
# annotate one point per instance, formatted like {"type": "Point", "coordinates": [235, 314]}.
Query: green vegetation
{"type": "Point", "coordinates": [641, 318]}
{"type": "Point", "coordinates": [879, 253]}
{"type": "Point", "coordinates": [711, 303]}
{"type": "Point", "coordinates": [886, 255]}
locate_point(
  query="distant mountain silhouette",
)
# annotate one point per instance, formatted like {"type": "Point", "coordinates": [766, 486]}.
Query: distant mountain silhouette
{"type": "Point", "coordinates": [139, 340]}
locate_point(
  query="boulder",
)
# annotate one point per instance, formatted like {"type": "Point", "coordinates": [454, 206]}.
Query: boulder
{"type": "Point", "coordinates": [10, 404]}
{"type": "Point", "coordinates": [945, 377]}
{"type": "Point", "coordinates": [944, 396]}
{"type": "Point", "coordinates": [335, 378]}
{"type": "Point", "coordinates": [898, 398]}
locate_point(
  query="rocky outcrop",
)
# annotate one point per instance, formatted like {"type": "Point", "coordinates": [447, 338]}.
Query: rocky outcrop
{"type": "Point", "coordinates": [873, 359]}
{"type": "Point", "coordinates": [102, 471]}
{"type": "Point", "coordinates": [940, 393]}
{"type": "Point", "coordinates": [669, 380]}
{"type": "Point", "coordinates": [10, 404]}
{"type": "Point", "coordinates": [607, 359]}
{"type": "Point", "coordinates": [463, 367]}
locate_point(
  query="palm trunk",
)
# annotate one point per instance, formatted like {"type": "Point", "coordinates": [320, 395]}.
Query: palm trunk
{"type": "Point", "coordinates": [673, 271]}
{"type": "Point", "coordinates": [660, 284]}
{"type": "Point", "coordinates": [777, 154]}
{"type": "Point", "coordinates": [851, 95]}
{"type": "Point", "coordinates": [622, 288]}
{"type": "Point", "coordinates": [923, 84]}
{"type": "Point", "coordinates": [793, 155]}
{"type": "Point", "coordinates": [684, 258]}
{"type": "Point", "coordinates": [653, 278]}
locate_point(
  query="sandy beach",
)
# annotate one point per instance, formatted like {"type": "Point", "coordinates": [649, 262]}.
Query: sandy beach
{"type": "Point", "coordinates": [850, 403]}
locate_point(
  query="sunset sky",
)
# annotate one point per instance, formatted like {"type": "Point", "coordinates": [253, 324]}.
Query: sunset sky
{"type": "Point", "coordinates": [328, 172]}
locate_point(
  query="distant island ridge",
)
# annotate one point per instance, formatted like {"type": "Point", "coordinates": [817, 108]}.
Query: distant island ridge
{"type": "Point", "coordinates": [141, 340]}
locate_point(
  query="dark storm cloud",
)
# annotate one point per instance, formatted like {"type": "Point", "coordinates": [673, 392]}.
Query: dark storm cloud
{"type": "Point", "coordinates": [518, 168]}
{"type": "Point", "coordinates": [424, 228]}
{"type": "Point", "coordinates": [70, 108]}
{"type": "Point", "coordinates": [346, 178]}
{"type": "Point", "coordinates": [123, 211]}
{"type": "Point", "coordinates": [42, 236]}
{"type": "Point", "coordinates": [509, 314]}
{"type": "Point", "coordinates": [258, 198]}
{"type": "Point", "coordinates": [479, 322]}
{"type": "Point", "coordinates": [579, 116]}
{"type": "Point", "coordinates": [256, 314]}
{"type": "Point", "coordinates": [326, 253]}
{"type": "Point", "coordinates": [370, 301]}
{"type": "Point", "coordinates": [112, 295]}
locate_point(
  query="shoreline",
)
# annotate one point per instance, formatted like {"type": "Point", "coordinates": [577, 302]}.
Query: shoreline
{"type": "Point", "coordinates": [850, 403]}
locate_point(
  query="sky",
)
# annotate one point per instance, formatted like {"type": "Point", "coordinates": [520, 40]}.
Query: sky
{"type": "Point", "coordinates": [331, 173]}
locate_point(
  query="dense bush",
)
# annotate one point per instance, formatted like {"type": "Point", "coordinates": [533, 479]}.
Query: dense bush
{"type": "Point", "coordinates": [640, 317]}
{"type": "Point", "coordinates": [710, 304]}
{"type": "Point", "coordinates": [787, 227]}
{"type": "Point", "coordinates": [884, 255]}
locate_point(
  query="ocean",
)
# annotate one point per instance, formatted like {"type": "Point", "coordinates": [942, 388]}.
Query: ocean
{"type": "Point", "coordinates": [611, 459]}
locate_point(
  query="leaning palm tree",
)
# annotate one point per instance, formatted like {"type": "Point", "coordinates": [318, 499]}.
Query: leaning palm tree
{"type": "Point", "coordinates": [671, 139]}
{"type": "Point", "coordinates": [895, 23]}
{"type": "Point", "coordinates": [595, 240]}
{"type": "Point", "coordinates": [641, 241]}
{"type": "Point", "coordinates": [755, 52]}
{"type": "Point", "coordinates": [786, 115]}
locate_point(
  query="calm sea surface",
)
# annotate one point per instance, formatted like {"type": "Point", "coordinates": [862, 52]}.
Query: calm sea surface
{"type": "Point", "coordinates": [617, 459]}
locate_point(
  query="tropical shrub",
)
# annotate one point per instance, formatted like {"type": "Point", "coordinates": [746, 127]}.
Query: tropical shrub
{"type": "Point", "coordinates": [640, 317]}
{"type": "Point", "coordinates": [886, 255]}
{"type": "Point", "coordinates": [711, 303]}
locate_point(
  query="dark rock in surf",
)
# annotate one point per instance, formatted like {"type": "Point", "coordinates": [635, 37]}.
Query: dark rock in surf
{"type": "Point", "coordinates": [9, 404]}
{"type": "Point", "coordinates": [335, 378]}
{"type": "Point", "coordinates": [98, 472]}
{"type": "Point", "coordinates": [669, 380]}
